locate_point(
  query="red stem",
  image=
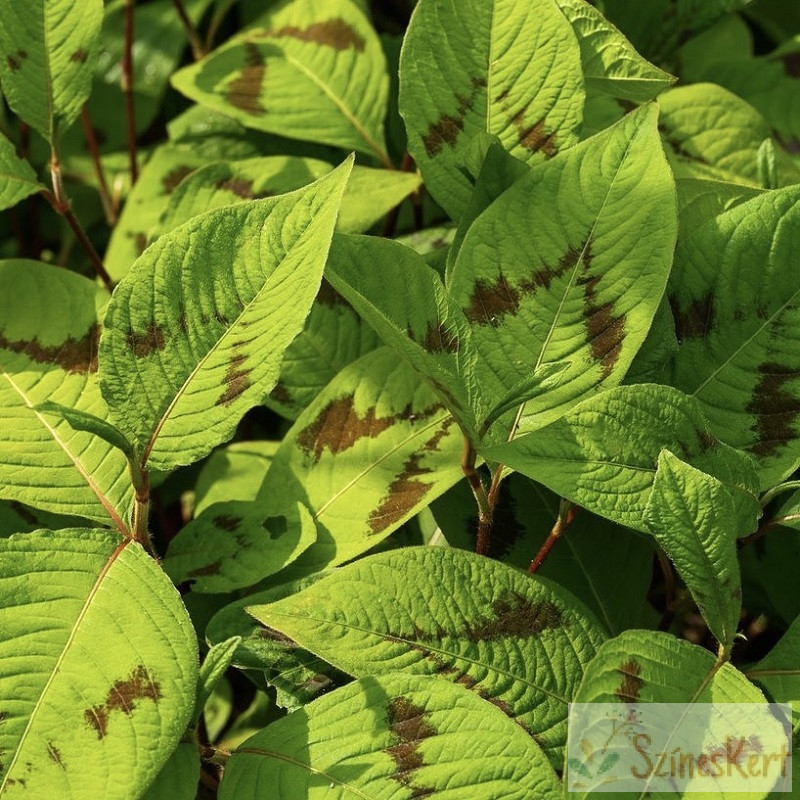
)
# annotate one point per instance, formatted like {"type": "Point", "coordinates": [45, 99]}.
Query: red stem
{"type": "Point", "coordinates": [94, 152]}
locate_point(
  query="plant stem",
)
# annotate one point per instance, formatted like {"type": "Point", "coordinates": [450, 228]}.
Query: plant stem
{"type": "Point", "coordinates": [94, 152]}
{"type": "Point", "coordinates": [765, 527]}
{"type": "Point", "coordinates": [390, 225]}
{"type": "Point", "coordinates": [479, 492]}
{"type": "Point", "coordinates": [127, 89]}
{"type": "Point", "coordinates": [141, 507]}
{"type": "Point", "coordinates": [566, 514]}
{"type": "Point", "coordinates": [669, 589]}
{"type": "Point", "coordinates": [772, 493]}
{"type": "Point", "coordinates": [198, 51]}
{"type": "Point", "coordinates": [216, 20]}
{"type": "Point", "coordinates": [61, 205]}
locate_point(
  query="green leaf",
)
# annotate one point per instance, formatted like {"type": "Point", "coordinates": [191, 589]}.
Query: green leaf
{"type": "Point", "coordinates": [508, 69]}
{"type": "Point", "coordinates": [333, 337]}
{"type": "Point", "coordinates": [405, 302]}
{"type": "Point", "coordinates": [603, 454]}
{"type": "Point", "coordinates": [107, 692]}
{"type": "Point", "coordinates": [166, 168]}
{"type": "Point", "coordinates": [83, 421]}
{"type": "Point", "coordinates": [519, 641]}
{"type": "Point", "coordinates": [610, 63]}
{"type": "Point", "coordinates": [195, 333]}
{"type": "Point", "coordinates": [297, 675]}
{"type": "Point", "coordinates": [735, 295]}
{"type": "Point", "coordinates": [49, 325]}
{"type": "Point", "coordinates": [235, 544]}
{"type": "Point", "coordinates": [694, 519]}
{"type": "Point", "coordinates": [607, 567]}
{"type": "Point", "coordinates": [712, 133]}
{"type": "Point", "coordinates": [307, 71]}
{"type": "Point", "coordinates": [374, 448]}
{"type": "Point", "coordinates": [216, 662]}
{"type": "Point", "coordinates": [586, 287]}
{"type": "Point", "coordinates": [48, 49]}
{"type": "Point", "coordinates": [179, 776]}
{"type": "Point", "coordinates": [370, 193]}
{"type": "Point", "coordinates": [779, 671]}
{"type": "Point", "coordinates": [17, 178]}
{"type": "Point", "coordinates": [393, 736]}
{"type": "Point", "coordinates": [233, 472]}
{"type": "Point", "coordinates": [653, 667]}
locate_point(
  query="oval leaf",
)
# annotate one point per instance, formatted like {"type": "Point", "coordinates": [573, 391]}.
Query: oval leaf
{"type": "Point", "coordinates": [107, 692]}
{"type": "Point", "coordinates": [522, 643]}
{"type": "Point", "coordinates": [393, 736]}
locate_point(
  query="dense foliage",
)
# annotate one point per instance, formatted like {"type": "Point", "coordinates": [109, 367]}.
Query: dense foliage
{"type": "Point", "coordinates": [380, 378]}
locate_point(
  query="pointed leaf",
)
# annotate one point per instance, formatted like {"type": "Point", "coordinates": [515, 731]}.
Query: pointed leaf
{"type": "Point", "coordinates": [107, 692]}
{"type": "Point", "coordinates": [395, 736]}
{"type": "Point", "coordinates": [307, 71]}
{"type": "Point", "coordinates": [693, 517]}
{"type": "Point", "coordinates": [17, 178]}
{"type": "Point", "coordinates": [195, 333]}
{"type": "Point", "coordinates": [585, 288]}
{"type": "Point", "coordinates": [49, 324]}
{"type": "Point", "coordinates": [372, 450]}
{"type": "Point", "coordinates": [610, 63]}
{"type": "Point", "coordinates": [499, 67]}
{"type": "Point", "coordinates": [216, 662]}
{"type": "Point", "coordinates": [83, 421]}
{"type": "Point", "coordinates": [603, 454]}
{"type": "Point", "coordinates": [48, 49]}
{"type": "Point", "coordinates": [521, 642]}
{"type": "Point", "coordinates": [235, 544]}
{"type": "Point", "coordinates": [736, 298]}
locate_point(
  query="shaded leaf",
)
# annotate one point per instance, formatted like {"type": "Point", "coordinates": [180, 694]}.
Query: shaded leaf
{"type": "Point", "coordinates": [49, 326]}
{"type": "Point", "coordinates": [520, 642]}
{"type": "Point", "coordinates": [89, 597]}
{"type": "Point", "coordinates": [195, 333]}
{"type": "Point", "coordinates": [235, 544]}
{"type": "Point", "coordinates": [17, 178]}
{"type": "Point", "coordinates": [179, 776]}
{"type": "Point", "coordinates": [307, 71]}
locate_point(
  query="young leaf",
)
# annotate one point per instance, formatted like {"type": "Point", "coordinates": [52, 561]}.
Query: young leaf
{"type": "Point", "coordinates": [107, 692]}
{"type": "Point", "coordinates": [369, 196]}
{"type": "Point", "coordinates": [610, 63]}
{"type": "Point", "coordinates": [216, 662]}
{"type": "Point", "coordinates": [504, 68]}
{"type": "Point", "coordinates": [195, 333]}
{"type": "Point", "coordinates": [48, 50]}
{"type": "Point", "coordinates": [235, 544]}
{"type": "Point", "coordinates": [603, 454]}
{"type": "Point", "coordinates": [17, 178]}
{"type": "Point", "coordinates": [735, 293]}
{"type": "Point", "coordinates": [307, 71]}
{"type": "Point", "coordinates": [392, 736]}
{"type": "Point", "coordinates": [373, 449]}
{"type": "Point", "coordinates": [522, 643]}
{"type": "Point", "coordinates": [49, 325]}
{"type": "Point", "coordinates": [585, 287]}
{"type": "Point", "coordinates": [83, 421]}
{"type": "Point", "coordinates": [694, 519]}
